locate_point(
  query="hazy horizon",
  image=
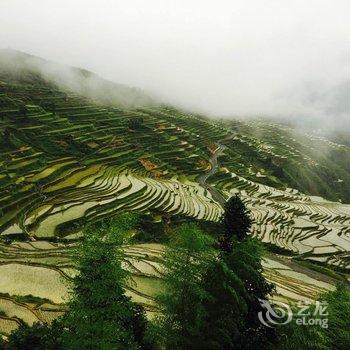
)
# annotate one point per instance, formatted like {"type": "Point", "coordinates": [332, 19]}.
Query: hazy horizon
{"type": "Point", "coordinates": [226, 58]}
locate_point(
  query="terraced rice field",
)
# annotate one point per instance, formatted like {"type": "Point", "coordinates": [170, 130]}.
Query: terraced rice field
{"type": "Point", "coordinates": [66, 160]}
{"type": "Point", "coordinates": [108, 192]}
{"type": "Point", "coordinates": [311, 226]}
{"type": "Point", "coordinates": [36, 277]}
{"type": "Point", "coordinates": [44, 270]}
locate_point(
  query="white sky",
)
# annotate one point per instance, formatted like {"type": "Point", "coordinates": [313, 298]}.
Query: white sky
{"type": "Point", "coordinates": [288, 58]}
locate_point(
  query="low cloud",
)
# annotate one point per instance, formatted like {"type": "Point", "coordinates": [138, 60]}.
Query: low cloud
{"type": "Point", "coordinates": [276, 58]}
{"type": "Point", "coordinates": [28, 69]}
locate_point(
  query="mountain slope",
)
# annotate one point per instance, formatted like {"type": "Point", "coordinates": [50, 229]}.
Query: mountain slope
{"type": "Point", "coordinates": [66, 160]}
{"type": "Point", "coordinates": [27, 69]}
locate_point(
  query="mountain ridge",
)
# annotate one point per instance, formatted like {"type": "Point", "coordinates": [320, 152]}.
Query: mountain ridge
{"type": "Point", "coordinates": [25, 68]}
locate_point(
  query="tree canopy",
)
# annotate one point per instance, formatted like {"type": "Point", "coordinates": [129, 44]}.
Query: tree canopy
{"type": "Point", "coordinates": [236, 223]}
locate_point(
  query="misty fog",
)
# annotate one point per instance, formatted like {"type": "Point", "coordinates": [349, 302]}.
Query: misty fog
{"type": "Point", "coordinates": [276, 58]}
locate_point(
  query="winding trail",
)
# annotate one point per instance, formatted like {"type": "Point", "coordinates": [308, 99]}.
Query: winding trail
{"type": "Point", "coordinates": [213, 160]}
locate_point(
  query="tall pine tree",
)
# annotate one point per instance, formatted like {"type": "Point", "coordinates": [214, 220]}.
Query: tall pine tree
{"type": "Point", "coordinates": [236, 223]}
{"type": "Point", "coordinates": [100, 315]}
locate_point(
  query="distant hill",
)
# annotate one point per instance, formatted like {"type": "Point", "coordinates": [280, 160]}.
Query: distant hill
{"type": "Point", "coordinates": [16, 66]}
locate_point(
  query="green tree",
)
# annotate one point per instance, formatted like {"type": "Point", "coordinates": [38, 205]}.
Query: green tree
{"type": "Point", "coordinates": [236, 223]}
{"type": "Point", "coordinates": [184, 263]}
{"type": "Point", "coordinates": [335, 337]}
{"type": "Point", "coordinates": [245, 262]}
{"type": "Point", "coordinates": [232, 322]}
{"type": "Point", "coordinates": [135, 123]}
{"type": "Point", "coordinates": [338, 331]}
{"type": "Point", "coordinates": [234, 283]}
{"type": "Point", "coordinates": [100, 315]}
{"type": "Point", "coordinates": [37, 337]}
{"type": "Point", "coordinates": [225, 308]}
{"type": "Point", "coordinates": [211, 298]}
{"type": "Point", "coordinates": [294, 337]}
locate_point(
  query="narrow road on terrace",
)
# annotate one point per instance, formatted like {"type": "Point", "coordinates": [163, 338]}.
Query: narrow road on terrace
{"type": "Point", "coordinates": [213, 160]}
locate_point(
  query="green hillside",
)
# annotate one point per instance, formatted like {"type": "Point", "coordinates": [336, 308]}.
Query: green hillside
{"type": "Point", "coordinates": [74, 153]}
{"type": "Point", "coordinates": [66, 160]}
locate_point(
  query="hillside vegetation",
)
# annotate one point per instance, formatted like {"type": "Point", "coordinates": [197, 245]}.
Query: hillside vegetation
{"type": "Point", "coordinates": [77, 152]}
{"type": "Point", "coordinates": [67, 160]}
